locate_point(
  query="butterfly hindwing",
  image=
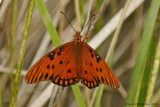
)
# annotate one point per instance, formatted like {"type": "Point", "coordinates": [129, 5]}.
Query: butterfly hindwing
{"type": "Point", "coordinates": [98, 72]}
{"type": "Point", "coordinates": [54, 66]}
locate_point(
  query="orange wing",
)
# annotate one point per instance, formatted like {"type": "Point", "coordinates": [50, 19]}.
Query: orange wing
{"type": "Point", "coordinates": [57, 66]}
{"type": "Point", "coordinates": [94, 69]}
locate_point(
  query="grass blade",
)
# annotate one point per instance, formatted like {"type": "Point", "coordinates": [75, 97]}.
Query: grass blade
{"type": "Point", "coordinates": [138, 71]}
{"type": "Point", "coordinates": [12, 43]}
{"type": "Point", "coordinates": [21, 56]}
{"type": "Point", "coordinates": [145, 78]}
{"type": "Point", "coordinates": [78, 95]}
{"type": "Point", "coordinates": [2, 99]}
{"type": "Point", "coordinates": [1, 94]}
{"type": "Point", "coordinates": [48, 22]}
{"type": "Point", "coordinates": [155, 99]}
{"type": "Point", "coordinates": [156, 62]}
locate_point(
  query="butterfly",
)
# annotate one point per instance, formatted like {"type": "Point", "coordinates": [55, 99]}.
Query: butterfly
{"type": "Point", "coordinates": [70, 63]}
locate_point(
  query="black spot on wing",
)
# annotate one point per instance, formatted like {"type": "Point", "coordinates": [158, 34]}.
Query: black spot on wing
{"type": "Point", "coordinates": [97, 69]}
{"type": "Point", "coordinates": [52, 66]}
{"type": "Point", "coordinates": [48, 66]}
{"type": "Point", "coordinates": [51, 77]}
{"type": "Point", "coordinates": [98, 58]}
{"type": "Point", "coordinates": [51, 56]}
{"type": "Point", "coordinates": [92, 55]}
{"type": "Point", "coordinates": [102, 79]}
{"type": "Point", "coordinates": [59, 53]}
{"type": "Point", "coordinates": [97, 61]}
{"type": "Point", "coordinates": [60, 62]}
{"type": "Point", "coordinates": [90, 50]}
{"type": "Point", "coordinates": [100, 69]}
{"type": "Point", "coordinates": [62, 48]}
{"type": "Point", "coordinates": [69, 71]}
{"type": "Point", "coordinates": [46, 76]}
{"type": "Point", "coordinates": [85, 72]}
{"type": "Point", "coordinates": [98, 80]}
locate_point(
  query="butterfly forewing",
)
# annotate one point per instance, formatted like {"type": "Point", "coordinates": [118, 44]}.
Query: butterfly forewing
{"type": "Point", "coordinates": [94, 69]}
{"type": "Point", "coordinates": [51, 66]}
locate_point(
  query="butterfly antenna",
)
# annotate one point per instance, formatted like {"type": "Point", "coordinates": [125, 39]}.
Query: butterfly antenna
{"type": "Point", "coordinates": [68, 21]}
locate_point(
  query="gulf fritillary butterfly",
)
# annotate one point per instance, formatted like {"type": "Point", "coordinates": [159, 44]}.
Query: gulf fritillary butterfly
{"type": "Point", "coordinates": [70, 63]}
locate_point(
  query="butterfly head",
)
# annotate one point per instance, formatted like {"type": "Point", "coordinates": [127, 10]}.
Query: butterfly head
{"type": "Point", "coordinates": [78, 36]}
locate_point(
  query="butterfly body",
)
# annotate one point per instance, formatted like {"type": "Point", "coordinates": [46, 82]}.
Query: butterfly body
{"type": "Point", "coordinates": [73, 62]}
{"type": "Point", "coordinates": [77, 49]}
